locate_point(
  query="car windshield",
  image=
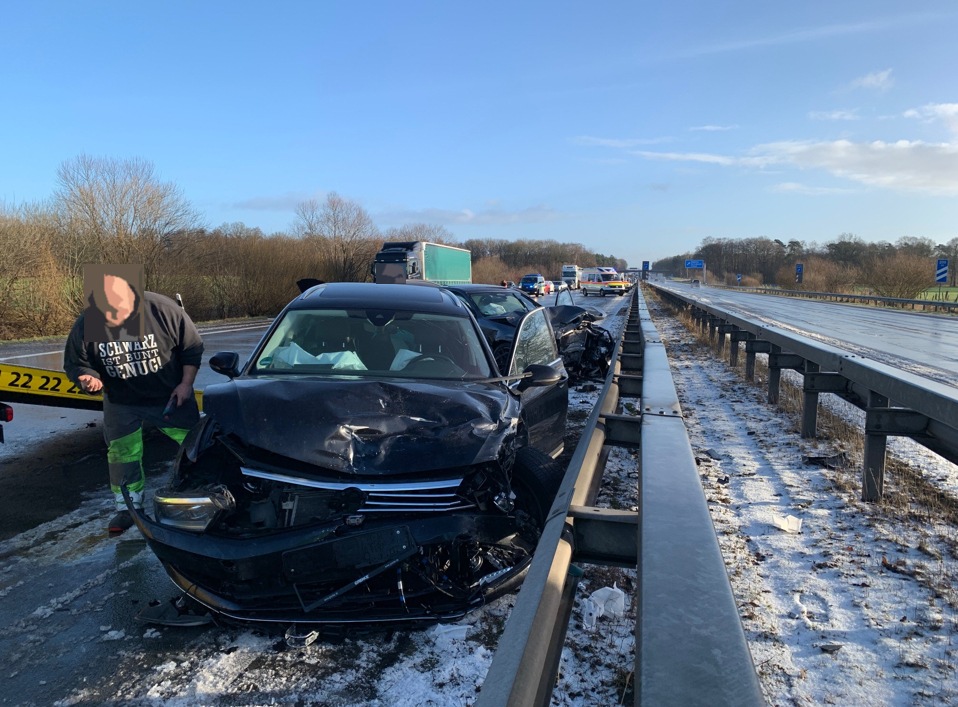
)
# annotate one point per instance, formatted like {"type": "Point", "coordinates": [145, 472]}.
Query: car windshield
{"type": "Point", "coordinates": [374, 343]}
{"type": "Point", "coordinates": [494, 304]}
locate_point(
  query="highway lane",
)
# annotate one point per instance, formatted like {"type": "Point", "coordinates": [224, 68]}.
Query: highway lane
{"type": "Point", "coordinates": [925, 344]}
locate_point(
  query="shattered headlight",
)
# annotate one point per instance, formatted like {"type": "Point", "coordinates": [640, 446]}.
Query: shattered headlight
{"type": "Point", "coordinates": [192, 510]}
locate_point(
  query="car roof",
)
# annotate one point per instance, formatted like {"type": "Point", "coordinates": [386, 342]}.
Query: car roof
{"type": "Point", "coordinates": [477, 287]}
{"type": "Point", "coordinates": [368, 295]}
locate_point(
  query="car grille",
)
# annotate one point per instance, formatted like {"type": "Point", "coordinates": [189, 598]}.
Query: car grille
{"type": "Point", "coordinates": [385, 497]}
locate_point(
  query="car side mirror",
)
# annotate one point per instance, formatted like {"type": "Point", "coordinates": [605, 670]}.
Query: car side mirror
{"type": "Point", "coordinates": [537, 375]}
{"type": "Point", "coordinates": [225, 363]}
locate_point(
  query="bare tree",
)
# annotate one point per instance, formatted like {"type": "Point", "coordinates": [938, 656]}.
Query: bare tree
{"type": "Point", "coordinates": [34, 294]}
{"type": "Point", "coordinates": [901, 275]}
{"type": "Point", "coordinates": [420, 232]}
{"type": "Point", "coordinates": [344, 233]}
{"type": "Point", "coordinates": [118, 211]}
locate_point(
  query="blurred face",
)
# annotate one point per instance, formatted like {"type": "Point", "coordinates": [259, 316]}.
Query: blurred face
{"type": "Point", "coordinates": [120, 300]}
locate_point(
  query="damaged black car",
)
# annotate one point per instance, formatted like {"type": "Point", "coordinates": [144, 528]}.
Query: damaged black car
{"type": "Point", "coordinates": [368, 464]}
{"type": "Point", "coordinates": [585, 347]}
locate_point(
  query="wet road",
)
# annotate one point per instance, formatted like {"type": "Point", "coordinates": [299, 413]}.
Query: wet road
{"type": "Point", "coordinates": [922, 343]}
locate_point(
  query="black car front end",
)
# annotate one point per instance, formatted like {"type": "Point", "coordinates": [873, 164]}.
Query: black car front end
{"type": "Point", "coordinates": [357, 524]}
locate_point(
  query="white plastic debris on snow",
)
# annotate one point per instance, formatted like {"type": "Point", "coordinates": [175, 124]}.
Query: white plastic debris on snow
{"type": "Point", "coordinates": [607, 601]}
{"type": "Point", "coordinates": [790, 524]}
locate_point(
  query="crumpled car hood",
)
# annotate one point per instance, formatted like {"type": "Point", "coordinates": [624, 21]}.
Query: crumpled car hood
{"type": "Point", "coordinates": [368, 427]}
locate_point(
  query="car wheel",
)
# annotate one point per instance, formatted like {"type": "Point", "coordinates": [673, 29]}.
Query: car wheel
{"type": "Point", "coordinates": [585, 292]}
{"type": "Point", "coordinates": [535, 479]}
{"type": "Point", "coordinates": [601, 292]}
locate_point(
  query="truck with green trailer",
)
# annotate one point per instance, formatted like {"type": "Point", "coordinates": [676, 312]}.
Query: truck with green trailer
{"type": "Point", "coordinates": [399, 261]}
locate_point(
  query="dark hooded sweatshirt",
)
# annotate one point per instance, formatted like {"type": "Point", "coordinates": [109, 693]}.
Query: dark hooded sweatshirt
{"type": "Point", "coordinates": [143, 371]}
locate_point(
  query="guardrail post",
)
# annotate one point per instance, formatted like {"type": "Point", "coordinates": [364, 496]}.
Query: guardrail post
{"type": "Point", "coordinates": [724, 330]}
{"type": "Point", "coordinates": [774, 376]}
{"type": "Point", "coordinates": [809, 405]}
{"type": "Point", "coordinates": [735, 337]}
{"type": "Point", "coordinates": [752, 347]}
{"type": "Point", "coordinates": [873, 464]}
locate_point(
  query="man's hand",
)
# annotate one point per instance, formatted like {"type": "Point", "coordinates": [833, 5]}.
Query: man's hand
{"type": "Point", "coordinates": [90, 384]}
{"type": "Point", "coordinates": [182, 393]}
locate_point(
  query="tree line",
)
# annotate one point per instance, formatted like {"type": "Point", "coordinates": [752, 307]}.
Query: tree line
{"type": "Point", "coordinates": [111, 211]}
{"type": "Point", "coordinates": [847, 264]}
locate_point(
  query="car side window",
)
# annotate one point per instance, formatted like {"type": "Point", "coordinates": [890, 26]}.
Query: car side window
{"type": "Point", "coordinates": [534, 343]}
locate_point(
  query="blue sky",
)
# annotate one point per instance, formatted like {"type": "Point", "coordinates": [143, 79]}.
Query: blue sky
{"type": "Point", "coordinates": [635, 128]}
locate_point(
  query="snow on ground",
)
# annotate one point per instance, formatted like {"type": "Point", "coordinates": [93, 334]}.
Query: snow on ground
{"type": "Point", "coordinates": [859, 606]}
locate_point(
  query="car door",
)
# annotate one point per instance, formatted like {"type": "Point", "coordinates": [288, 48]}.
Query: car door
{"type": "Point", "coordinates": [544, 408]}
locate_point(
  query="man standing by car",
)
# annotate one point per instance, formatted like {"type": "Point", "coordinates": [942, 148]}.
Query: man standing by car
{"type": "Point", "coordinates": [144, 361]}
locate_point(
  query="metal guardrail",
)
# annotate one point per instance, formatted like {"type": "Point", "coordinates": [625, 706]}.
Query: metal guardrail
{"type": "Point", "coordinates": [690, 646]}
{"type": "Point", "coordinates": [925, 304]}
{"type": "Point", "coordinates": [895, 402]}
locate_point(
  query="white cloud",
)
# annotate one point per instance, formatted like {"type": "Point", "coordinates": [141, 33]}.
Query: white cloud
{"type": "Point", "coordinates": [797, 188]}
{"type": "Point", "coordinates": [878, 80]}
{"type": "Point", "coordinates": [945, 112]}
{"type": "Point", "coordinates": [624, 143]}
{"type": "Point", "coordinates": [704, 157]}
{"type": "Point", "coordinates": [713, 128]}
{"type": "Point", "coordinates": [834, 114]}
{"type": "Point", "coordinates": [484, 217]}
{"type": "Point", "coordinates": [813, 34]}
{"type": "Point", "coordinates": [905, 165]}
{"type": "Point", "coordinates": [282, 202]}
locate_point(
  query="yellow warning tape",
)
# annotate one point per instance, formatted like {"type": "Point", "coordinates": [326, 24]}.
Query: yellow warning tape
{"type": "Point", "coordinates": [39, 382]}
{"type": "Point", "coordinates": [41, 386]}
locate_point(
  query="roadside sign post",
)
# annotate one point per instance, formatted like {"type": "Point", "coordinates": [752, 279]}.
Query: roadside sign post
{"type": "Point", "coordinates": [799, 272]}
{"type": "Point", "coordinates": [696, 265]}
{"type": "Point", "coordinates": [941, 273]}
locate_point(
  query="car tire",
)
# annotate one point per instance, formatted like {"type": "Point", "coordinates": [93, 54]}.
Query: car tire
{"type": "Point", "coordinates": [536, 478]}
{"type": "Point", "coordinates": [601, 292]}
{"type": "Point", "coordinates": [585, 292]}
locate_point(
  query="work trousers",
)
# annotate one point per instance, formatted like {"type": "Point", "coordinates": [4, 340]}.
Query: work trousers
{"type": "Point", "coordinates": [123, 431]}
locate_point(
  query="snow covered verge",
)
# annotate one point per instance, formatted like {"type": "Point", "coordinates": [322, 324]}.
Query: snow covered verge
{"type": "Point", "coordinates": [842, 602]}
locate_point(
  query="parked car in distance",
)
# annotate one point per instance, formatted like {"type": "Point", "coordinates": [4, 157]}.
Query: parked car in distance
{"type": "Point", "coordinates": [559, 285]}
{"type": "Point", "coordinates": [366, 465]}
{"type": "Point", "coordinates": [533, 284]}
